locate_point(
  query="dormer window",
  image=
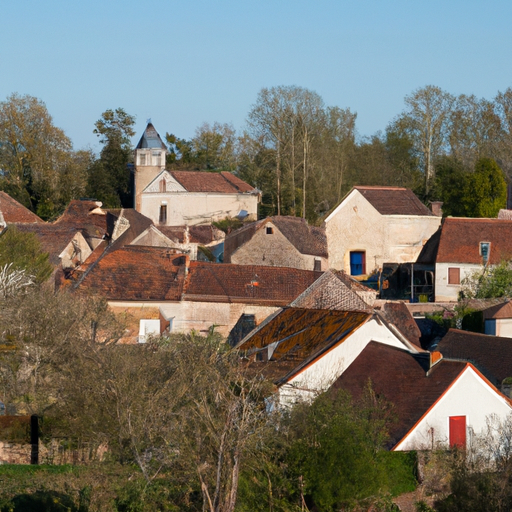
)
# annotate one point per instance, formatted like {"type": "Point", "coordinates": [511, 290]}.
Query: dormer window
{"type": "Point", "coordinates": [269, 230]}
{"type": "Point", "coordinates": [485, 250]}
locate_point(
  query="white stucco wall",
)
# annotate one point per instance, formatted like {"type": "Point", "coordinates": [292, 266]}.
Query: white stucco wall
{"type": "Point", "coordinates": [357, 226]}
{"type": "Point", "coordinates": [450, 292]}
{"type": "Point", "coordinates": [470, 396]}
{"type": "Point", "coordinates": [319, 376]}
{"type": "Point", "coordinates": [190, 208]}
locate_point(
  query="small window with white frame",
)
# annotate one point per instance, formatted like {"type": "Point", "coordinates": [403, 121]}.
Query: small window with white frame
{"type": "Point", "coordinates": [485, 251]}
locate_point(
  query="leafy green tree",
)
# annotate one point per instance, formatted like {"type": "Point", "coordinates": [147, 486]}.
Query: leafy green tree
{"type": "Point", "coordinates": [449, 186]}
{"type": "Point", "coordinates": [23, 251]}
{"type": "Point", "coordinates": [485, 191]}
{"type": "Point", "coordinates": [109, 176]}
{"type": "Point", "coordinates": [494, 281]}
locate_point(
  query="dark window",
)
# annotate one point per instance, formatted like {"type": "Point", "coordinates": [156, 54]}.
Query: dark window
{"type": "Point", "coordinates": [357, 263]}
{"type": "Point", "coordinates": [269, 231]}
{"type": "Point", "coordinates": [163, 214]}
{"type": "Point", "coordinates": [318, 265]}
{"type": "Point", "coordinates": [458, 432]}
{"type": "Point", "coordinates": [454, 275]}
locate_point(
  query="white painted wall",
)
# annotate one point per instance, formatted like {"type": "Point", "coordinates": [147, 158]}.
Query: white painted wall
{"type": "Point", "coordinates": [355, 225]}
{"type": "Point", "coordinates": [499, 327]}
{"type": "Point", "coordinates": [450, 292]}
{"type": "Point", "coordinates": [470, 396]}
{"type": "Point", "coordinates": [319, 376]}
{"type": "Point", "coordinates": [190, 208]}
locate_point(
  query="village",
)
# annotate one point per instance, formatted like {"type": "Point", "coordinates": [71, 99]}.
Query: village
{"type": "Point", "coordinates": [311, 308]}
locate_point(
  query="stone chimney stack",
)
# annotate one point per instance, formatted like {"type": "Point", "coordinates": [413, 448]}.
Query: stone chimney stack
{"type": "Point", "coordinates": [437, 208]}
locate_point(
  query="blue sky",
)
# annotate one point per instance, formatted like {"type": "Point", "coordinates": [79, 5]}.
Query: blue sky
{"type": "Point", "coordinates": [189, 62]}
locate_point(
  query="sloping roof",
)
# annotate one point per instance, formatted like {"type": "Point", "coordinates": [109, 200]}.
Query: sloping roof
{"type": "Point", "coordinates": [12, 211]}
{"type": "Point", "coordinates": [220, 182]}
{"type": "Point", "coordinates": [399, 315]}
{"type": "Point", "coordinates": [394, 201]}
{"type": "Point", "coordinates": [246, 283]}
{"type": "Point", "coordinates": [400, 378]}
{"type": "Point", "coordinates": [53, 239]}
{"type": "Point", "coordinates": [492, 355]}
{"type": "Point", "coordinates": [150, 139]}
{"type": "Point", "coordinates": [300, 336]}
{"type": "Point", "coordinates": [306, 239]}
{"type": "Point", "coordinates": [503, 310]}
{"type": "Point", "coordinates": [137, 273]}
{"type": "Point", "coordinates": [202, 234]}
{"type": "Point", "coordinates": [461, 237]}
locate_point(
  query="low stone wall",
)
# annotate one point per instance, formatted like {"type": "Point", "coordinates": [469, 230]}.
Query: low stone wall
{"type": "Point", "coordinates": [15, 453]}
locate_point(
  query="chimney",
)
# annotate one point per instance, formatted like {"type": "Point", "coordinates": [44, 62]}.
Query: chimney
{"type": "Point", "coordinates": [437, 208]}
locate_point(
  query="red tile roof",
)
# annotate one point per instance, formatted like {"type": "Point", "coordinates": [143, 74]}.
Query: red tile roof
{"type": "Point", "coordinates": [492, 355]}
{"type": "Point", "coordinates": [89, 216]}
{"type": "Point", "coordinates": [399, 315]}
{"type": "Point", "coordinates": [222, 182]}
{"type": "Point", "coordinates": [301, 335]}
{"type": "Point", "coordinates": [305, 238]}
{"type": "Point", "coordinates": [394, 201]}
{"type": "Point", "coordinates": [461, 237]}
{"type": "Point", "coordinates": [136, 273]}
{"type": "Point", "coordinates": [246, 283]}
{"type": "Point", "coordinates": [502, 310]}
{"type": "Point", "coordinates": [12, 211]}
{"type": "Point", "coordinates": [400, 378]}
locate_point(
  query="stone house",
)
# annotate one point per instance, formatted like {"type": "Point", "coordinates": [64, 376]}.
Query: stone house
{"type": "Point", "coordinates": [278, 241]}
{"type": "Point", "coordinates": [377, 225]}
{"type": "Point", "coordinates": [177, 198]}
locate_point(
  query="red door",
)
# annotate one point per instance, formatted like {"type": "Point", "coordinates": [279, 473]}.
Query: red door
{"type": "Point", "coordinates": [458, 432]}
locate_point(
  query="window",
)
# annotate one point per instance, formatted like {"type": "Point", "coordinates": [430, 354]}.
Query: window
{"type": "Point", "coordinates": [157, 158]}
{"type": "Point", "coordinates": [485, 249]}
{"type": "Point", "coordinates": [318, 265]}
{"type": "Point", "coordinates": [163, 185]}
{"type": "Point", "coordinates": [454, 275]}
{"type": "Point", "coordinates": [357, 263]}
{"type": "Point", "coordinates": [269, 230]}
{"type": "Point", "coordinates": [163, 214]}
{"type": "Point", "coordinates": [457, 431]}
{"type": "Point", "coordinates": [142, 159]}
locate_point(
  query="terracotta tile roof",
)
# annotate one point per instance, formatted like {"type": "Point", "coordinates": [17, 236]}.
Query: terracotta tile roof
{"type": "Point", "coordinates": [53, 239]}
{"type": "Point", "coordinates": [221, 182]}
{"type": "Point", "coordinates": [400, 378]}
{"type": "Point", "coordinates": [461, 237]}
{"type": "Point", "coordinates": [306, 239]}
{"type": "Point", "coordinates": [394, 201]}
{"type": "Point", "coordinates": [137, 273]}
{"type": "Point", "coordinates": [502, 310]}
{"type": "Point", "coordinates": [246, 283]}
{"type": "Point", "coordinates": [301, 336]}
{"type": "Point", "coordinates": [492, 355]}
{"type": "Point", "coordinates": [12, 211]}
{"type": "Point", "coordinates": [399, 315]}
{"type": "Point", "coordinates": [202, 234]}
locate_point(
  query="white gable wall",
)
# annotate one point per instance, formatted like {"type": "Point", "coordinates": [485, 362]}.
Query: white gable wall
{"type": "Point", "coordinates": [450, 292]}
{"type": "Point", "coordinates": [324, 371]}
{"type": "Point", "coordinates": [469, 396]}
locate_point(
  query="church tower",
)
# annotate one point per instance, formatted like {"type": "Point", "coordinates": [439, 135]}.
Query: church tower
{"type": "Point", "coordinates": [150, 156]}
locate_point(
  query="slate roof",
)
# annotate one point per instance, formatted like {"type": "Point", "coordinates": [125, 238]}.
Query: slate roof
{"type": "Point", "coordinates": [137, 273]}
{"type": "Point", "coordinates": [150, 139]}
{"type": "Point", "coordinates": [202, 234]}
{"type": "Point", "coordinates": [492, 355]}
{"type": "Point", "coordinates": [400, 378]}
{"type": "Point", "coordinates": [220, 182]}
{"type": "Point", "coordinates": [461, 237]}
{"type": "Point", "coordinates": [12, 211]}
{"type": "Point", "coordinates": [305, 238]}
{"type": "Point", "coordinates": [394, 201]}
{"type": "Point", "coordinates": [301, 336]}
{"type": "Point", "coordinates": [214, 282]}
{"type": "Point", "coordinates": [53, 239]}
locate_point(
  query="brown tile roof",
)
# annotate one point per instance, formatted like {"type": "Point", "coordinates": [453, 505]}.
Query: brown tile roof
{"type": "Point", "coordinates": [394, 201]}
{"type": "Point", "coordinates": [222, 182]}
{"type": "Point", "coordinates": [305, 238]}
{"type": "Point", "coordinates": [137, 273]}
{"type": "Point", "coordinates": [399, 315]}
{"type": "Point", "coordinates": [461, 237]}
{"type": "Point", "coordinates": [492, 355]}
{"type": "Point", "coordinates": [12, 211]}
{"type": "Point", "coordinates": [502, 310]}
{"type": "Point", "coordinates": [400, 378]}
{"type": "Point", "coordinates": [198, 234]}
{"type": "Point", "coordinates": [246, 283]}
{"type": "Point", "coordinates": [53, 239]}
{"type": "Point", "coordinates": [301, 335]}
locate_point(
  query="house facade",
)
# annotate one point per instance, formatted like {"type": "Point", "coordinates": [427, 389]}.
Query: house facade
{"type": "Point", "coordinates": [377, 225]}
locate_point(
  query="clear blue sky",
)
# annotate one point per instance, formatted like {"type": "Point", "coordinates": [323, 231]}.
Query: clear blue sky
{"type": "Point", "coordinates": [189, 62]}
